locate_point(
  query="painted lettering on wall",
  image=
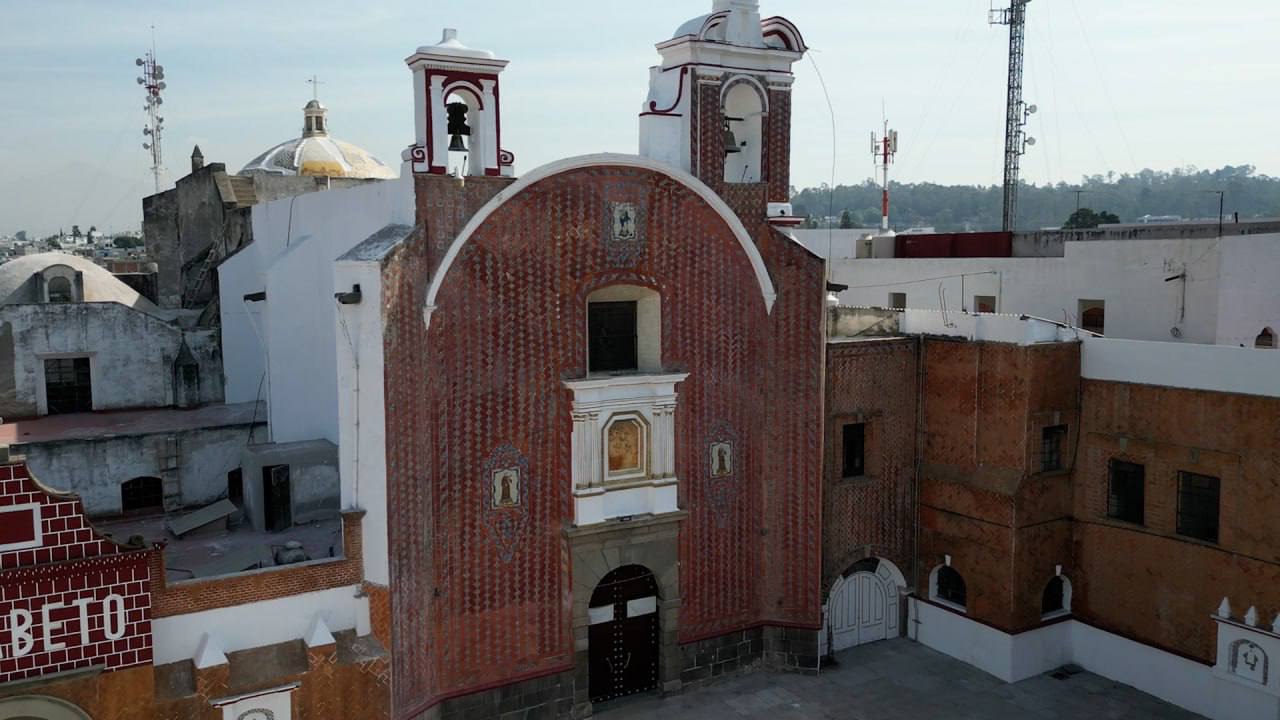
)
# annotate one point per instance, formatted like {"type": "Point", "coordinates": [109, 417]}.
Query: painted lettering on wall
{"type": "Point", "coordinates": [46, 627]}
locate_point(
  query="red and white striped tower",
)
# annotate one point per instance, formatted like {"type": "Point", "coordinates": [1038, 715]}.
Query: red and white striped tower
{"type": "Point", "coordinates": [883, 149]}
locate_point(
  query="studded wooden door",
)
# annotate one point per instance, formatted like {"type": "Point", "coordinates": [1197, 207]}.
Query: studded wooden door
{"type": "Point", "coordinates": [624, 634]}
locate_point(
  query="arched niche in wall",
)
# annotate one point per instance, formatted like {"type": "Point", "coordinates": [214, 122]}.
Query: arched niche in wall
{"type": "Point", "coordinates": [1055, 600]}
{"type": "Point", "coordinates": [464, 104]}
{"type": "Point", "coordinates": [947, 587]}
{"type": "Point", "coordinates": [743, 102]}
{"type": "Point", "coordinates": [28, 707]}
{"type": "Point", "coordinates": [1266, 339]}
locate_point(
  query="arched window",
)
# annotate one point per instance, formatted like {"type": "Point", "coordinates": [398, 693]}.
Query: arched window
{"type": "Point", "coordinates": [1056, 599]}
{"type": "Point", "coordinates": [60, 290]}
{"type": "Point", "coordinates": [142, 494]}
{"type": "Point", "coordinates": [743, 133]}
{"type": "Point", "coordinates": [948, 586]}
{"type": "Point", "coordinates": [1265, 339]}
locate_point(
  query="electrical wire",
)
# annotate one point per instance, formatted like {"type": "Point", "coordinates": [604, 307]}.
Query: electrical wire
{"type": "Point", "coordinates": [831, 188]}
{"type": "Point", "coordinates": [920, 280]}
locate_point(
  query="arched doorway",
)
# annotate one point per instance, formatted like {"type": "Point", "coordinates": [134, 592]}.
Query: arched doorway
{"type": "Point", "coordinates": [623, 636]}
{"type": "Point", "coordinates": [863, 604]}
{"type": "Point", "coordinates": [36, 707]}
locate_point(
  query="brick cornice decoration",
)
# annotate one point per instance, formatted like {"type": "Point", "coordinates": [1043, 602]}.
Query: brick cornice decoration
{"type": "Point", "coordinates": [190, 596]}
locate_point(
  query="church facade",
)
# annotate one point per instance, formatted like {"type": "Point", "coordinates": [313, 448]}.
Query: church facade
{"type": "Point", "coordinates": [604, 384]}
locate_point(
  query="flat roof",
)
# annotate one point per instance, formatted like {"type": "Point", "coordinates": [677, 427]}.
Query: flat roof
{"type": "Point", "coordinates": [99, 425]}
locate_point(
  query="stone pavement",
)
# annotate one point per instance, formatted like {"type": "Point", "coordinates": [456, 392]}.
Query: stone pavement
{"type": "Point", "coordinates": [901, 680]}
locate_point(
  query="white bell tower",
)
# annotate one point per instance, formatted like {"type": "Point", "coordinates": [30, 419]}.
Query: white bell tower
{"type": "Point", "coordinates": [457, 110]}
{"type": "Point", "coordinates": [719, 104]}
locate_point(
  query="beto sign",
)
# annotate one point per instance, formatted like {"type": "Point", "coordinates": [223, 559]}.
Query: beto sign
{"type": "Point", "coordinates": [69, 598]}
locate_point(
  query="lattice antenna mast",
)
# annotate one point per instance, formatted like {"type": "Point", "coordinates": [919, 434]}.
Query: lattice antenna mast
{"type": "Point", "coordinates": [883, 150]}
{"type": "Point", "coordinates": [1016, 113]}
{"type": "Point", "coordinates": [152, 81]}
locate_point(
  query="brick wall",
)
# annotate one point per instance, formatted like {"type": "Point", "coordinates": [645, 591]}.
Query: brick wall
{"type": "Point", "coordinates": [872, 382]}
{"type": "Point", "coordinates": [472, 611]}
{"type": "Point", "coordinates": [983, 499]}
{"type": "Point", "coordinates": [1145, 581]}
{"type": "Point", "coordinates": [67, 563]}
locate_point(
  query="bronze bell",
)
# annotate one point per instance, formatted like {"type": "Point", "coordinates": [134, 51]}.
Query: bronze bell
{"type": "Point", "coordinates": [730, 142]}
{"type": "Point", "coordinates": [457, 126]}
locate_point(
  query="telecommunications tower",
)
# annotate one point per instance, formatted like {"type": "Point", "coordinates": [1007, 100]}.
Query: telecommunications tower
{"type": "Point", "coordinates": [883, 150]}
{"type": "Point", "coordinates": [1016, 112]}
{"type": "Point", "coordinates": [152, 81]}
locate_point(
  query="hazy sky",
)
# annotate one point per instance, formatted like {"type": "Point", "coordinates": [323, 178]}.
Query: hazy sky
{"type": "Point", "coordinates": [1121, 85]}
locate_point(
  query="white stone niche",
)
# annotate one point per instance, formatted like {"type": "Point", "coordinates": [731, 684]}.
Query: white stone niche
{"type": "Point", "coordinates": [632, 419]}
{"type": "Point", "coordinates": [1247, 683]}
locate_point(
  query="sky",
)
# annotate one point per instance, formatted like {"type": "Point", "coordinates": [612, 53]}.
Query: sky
{"type": "Point", "coordinates": [1120, 86]}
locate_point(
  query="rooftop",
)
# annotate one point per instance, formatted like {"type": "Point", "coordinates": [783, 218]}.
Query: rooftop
{"type": "Point", "coordinates": [97, 425]}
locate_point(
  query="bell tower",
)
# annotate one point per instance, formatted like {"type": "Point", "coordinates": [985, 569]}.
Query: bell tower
{"type": "Point", "coordinates": [457, 110]}
{"type": "Point", "coordinates": [719, 105]}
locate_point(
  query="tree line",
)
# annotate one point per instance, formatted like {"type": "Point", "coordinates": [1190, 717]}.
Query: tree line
{"type": "Point", "coordinates": [1183, 192]}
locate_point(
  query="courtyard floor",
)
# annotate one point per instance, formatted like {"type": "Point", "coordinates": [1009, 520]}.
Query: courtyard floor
{"type": "Point", "coordinates": [901, 680]}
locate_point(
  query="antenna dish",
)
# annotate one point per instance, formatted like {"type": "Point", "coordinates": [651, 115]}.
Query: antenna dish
{"type": "Point", "coordinates": [1032, 109]}
{"type": "Point", "coordinates": [137, 61]}
{"type": "Point", "coordinates": [1031, 141]}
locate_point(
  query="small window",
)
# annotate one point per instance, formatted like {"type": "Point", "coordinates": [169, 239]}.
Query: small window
{"type": "Point", "coordinates": [949, 586]}
{"type": "Point", "coordinates": [1125, 491]}
{"type": "Point", "coordinates": [984, 303]}
{"type": "Point", "coordinates": [142, 495]}
{"type": "Point", "coordinates": [1266, 339]}
{"type": "Point", "coordinates": [1051, 441]}
{"type": "Point", "coordinates": [611, 330]}
{"type": "Point", "coordinates": [853, 437]}
{"type": "Point", "coordinates": [1056, 597]}
{"type": "Point", "coordinates": [898, 301]}
{"type": "Point", "coordinates": [1198, 506]}
{"type": "Point", "coordinates": [1093, 315]}
{"type": "Point", "coordinates": [67, 385]}
{"type": "Point", "coordinates": [60, 290]}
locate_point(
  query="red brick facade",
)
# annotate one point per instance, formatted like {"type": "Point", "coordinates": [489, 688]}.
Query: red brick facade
{"type": "Point", "coordinates": [872, 382]}
{"type": "Point", "coordinates": [73, 599]}
{"type": "Point", "coordinates": [509, 325]}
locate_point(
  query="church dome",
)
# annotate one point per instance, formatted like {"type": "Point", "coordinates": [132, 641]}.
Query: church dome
{"type": "Point", "coordinates": [317, 153]}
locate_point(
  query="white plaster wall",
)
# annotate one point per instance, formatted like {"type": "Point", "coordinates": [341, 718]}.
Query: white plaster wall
{"type": "Point", "coordinates": [1249, 287]}
{"type": "Point", "coordinates": [1012, 658]}
{"type": "Point", "coordinates": [361, 411]}
{"type": "Point", "coordinates": [243, 353]}
{"type": "Point", "coordinates": [253, 624]}
{"type": "Point", "coordinates": [1221, 368]}
{"type": "Point", "coordinates": [1180, 681]}
{"type": "Point", "coordinates": [1128, 274]}
{"type": "Point", "coordinates": [295, 242]}
{"type": "Point", "coordinates": [131, 352]}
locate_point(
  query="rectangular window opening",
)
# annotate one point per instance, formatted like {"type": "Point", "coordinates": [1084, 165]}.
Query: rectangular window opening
{"type": "Point", "coordinates": [1052, 440]}
{"type": "Point", "coordinates": [1198, 506]}
{"type": "Point", "coordinates": [68, 387]}
{"type": "Point", "coordinates": [611, 330]}
{"type": "Point", "coordinates": [853, 441]}
{"type": "Point", "coordinates": [984, 303]}
{"type": "Point", "coordinates": [1093, 315]}
{"type": "Point", "coordinates": [898, 301]}
{"type": "Point", "coordinates": [1125, 494]}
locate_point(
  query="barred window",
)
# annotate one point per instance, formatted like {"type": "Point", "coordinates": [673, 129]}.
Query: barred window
{"type": "Point", "coordinates": [1051, 441]}
{"type": "Point", "coordinates": [1125, 494]}
{"type": "Point", "coordinates": [853, 440]}
{"type": "Point", "coordinates": [1198, 506]}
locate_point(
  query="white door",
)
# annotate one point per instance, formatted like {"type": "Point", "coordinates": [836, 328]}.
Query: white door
{"type": "Point", "coordinates": [863, 608]}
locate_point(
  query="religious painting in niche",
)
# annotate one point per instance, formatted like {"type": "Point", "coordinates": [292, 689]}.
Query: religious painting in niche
{"type": "Point", "coordinates": [722, 492]}
{"type": "Point", "coordinates": [721, 459]}
{"type": "Point", "coordinates": [624, 229]}
{"type": "Point", "coordinates": [505, 485]}
{"type": "Point", "coordinates": [624, 222]}
{"type": "Point", "coordinates": [1249, 661]}
{"type": "Point", "coordinates": [625, 446]}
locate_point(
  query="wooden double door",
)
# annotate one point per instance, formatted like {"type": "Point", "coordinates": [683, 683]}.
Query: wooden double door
{"type": "Point", "coordinates": [624, 634]}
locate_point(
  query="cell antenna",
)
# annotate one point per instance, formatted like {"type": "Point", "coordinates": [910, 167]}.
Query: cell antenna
{"type": "Point", "coordinates": [883, 150]}
{"type": "Point", "coordinates": [152, 81]}
{"type": "Point", "coordinates": [1016, 112]}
